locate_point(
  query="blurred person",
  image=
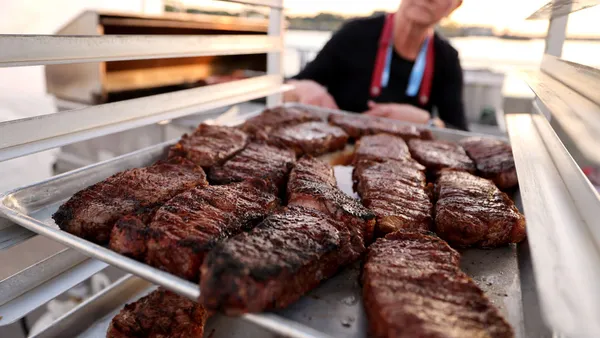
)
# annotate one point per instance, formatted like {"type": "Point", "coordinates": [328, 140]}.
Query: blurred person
{"type": "Point", "coordinates": [392, 66]}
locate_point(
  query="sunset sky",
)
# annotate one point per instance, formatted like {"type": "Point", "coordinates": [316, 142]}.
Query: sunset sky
{"type": "Point", "coordinates": [501, 14]}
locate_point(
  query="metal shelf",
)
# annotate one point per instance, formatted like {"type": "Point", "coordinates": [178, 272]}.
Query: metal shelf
{"type": "Point", "coordinates": [71, 126]}
{"type": "Point", "coordinates": [558, 8]}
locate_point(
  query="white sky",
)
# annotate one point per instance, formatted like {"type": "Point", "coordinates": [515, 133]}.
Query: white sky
{"type": "Point", "coordinates": [502, 14]}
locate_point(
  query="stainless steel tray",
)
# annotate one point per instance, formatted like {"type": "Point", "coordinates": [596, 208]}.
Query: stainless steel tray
{"type": "Point", "coordinates": [334, 309]}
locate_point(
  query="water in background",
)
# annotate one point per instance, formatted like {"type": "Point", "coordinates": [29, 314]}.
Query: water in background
{"type": "Point", "coordinates": [507, 56]}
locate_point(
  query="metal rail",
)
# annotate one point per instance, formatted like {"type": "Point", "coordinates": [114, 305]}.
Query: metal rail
{"type": "Point", "coordinates": [558, 8]}
{"type": "Point", "coordinates": [562, 210]}
{"type": "Point", "coordinates": [71, 126]}
{"type": "Point", "coordinates": [29, 50]}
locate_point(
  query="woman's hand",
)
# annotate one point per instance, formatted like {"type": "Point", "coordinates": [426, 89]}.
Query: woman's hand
{"type": "Point", "coordinates": [309, 92]}
{"type": "Point", "coordinates": [397, 111]}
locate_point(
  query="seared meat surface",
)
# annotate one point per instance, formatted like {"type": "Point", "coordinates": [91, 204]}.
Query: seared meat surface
{"type": "Point", "coordinates": [381, 147]}
{"type": "Point", "coordinates": [413, 287]}
{"type": "Point", "coordinates": [161, 314]}
{"type": "Point", "coordinates": [494, 160]}
{"type": "Point", "coordinates": [396, 192]}
{"type": "Point", "coordinates": [312, 138]}
{"type": "Point", "coordinates": [310, 186]}
{"type": "Point", "coordinates": [92, 212]}
{"type": "Point", "coordinates": [186, 227]}
{"type": "Point", "coordinates": [275, 263]}
{"type": "Point", "coordinates": [257, 160]}
{"type": "Point", "coordinates": [210, 145]}
{"type": "Point", "coordinates": [472, 211]}
{"type": "Point", "coordinates": [358, 126]}
{"type": "Point", "coordinates": [437, 155]}
{"type": "Point", "coordinates": [262, 125]}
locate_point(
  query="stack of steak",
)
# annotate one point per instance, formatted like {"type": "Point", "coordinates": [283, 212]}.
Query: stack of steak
{"type": "Point", "coordinates": [391, 184]}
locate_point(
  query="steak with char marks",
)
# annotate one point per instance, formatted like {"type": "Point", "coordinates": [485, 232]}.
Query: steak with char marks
{"type": "Point", "coordinates": [210, 145]}
{"type": "Point", "coordinates": [257, 160]}
{"type": "Point", "coordinates": [311, 138]}
{"type": "Point", "coordinates": [277, 262]}
{"type": "Point", "coordinates": [310, 186]}
{"type": "Point", "coordinates": [413, 287]}
{"type": "Point", "coordinates": [438, 155]}
{"type": "Point", "coordinates": [472, 211]}
{"type": "Point", "coordinates": [358, 126]}
{"type": "Point", "coordinates": [186, 227]}
{"type": "Point", "coordinates": [161, 314]}
{"type": "Point", "coordinates": [92, 212]}
{"type": "Point", "coordinates": [381, 147]}
{"type": "Point", "coordinates": [260, 126]}
{"type": "Point", "coordinates": [493, 159]}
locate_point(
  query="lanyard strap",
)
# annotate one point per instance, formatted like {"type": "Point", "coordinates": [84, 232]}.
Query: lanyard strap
{"type": "Point", "coordinates": [421, 74]}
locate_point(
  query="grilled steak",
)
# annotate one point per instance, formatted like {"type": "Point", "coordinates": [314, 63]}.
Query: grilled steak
{"type": "Point", "coordinates": [261, 125]}
{"type": "Point", "coordinates": [396, 192]}
{"type": "Point", "coordinates": [381, 147]}
{"type": "Point", "coordinates": [186, 227]}
{"type": "Point", "coordinates": [313, 189]}
{"type": "Point", "coordinates": [312, 138]}
{"type": "Point", "coordinates": [472, 211]}
{"type": "Point", "coordinates": [162, 314]}
{"type": "Point", "coordinates": [437, 155]}
{"type": "Point", "coordinates": [357, 126]}
{"type": "Point", "coordinates": [257, 160]}
{"type": "Point", "coordinates": [275, 263]}
{"type": "Point", "coordinates": [210, 145]}
{"type": "Point", "coordinates": [92, 212]}
{"type": "Point", "coordinates": [413, 287]}
{"type": "Point", "coordinates": [493, 159]}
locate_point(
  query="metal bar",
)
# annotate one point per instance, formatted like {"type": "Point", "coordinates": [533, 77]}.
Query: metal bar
{"type": "Point", "coordinates": [566, 256]}
{"type": "Point", "coordinates": [29, 50]}
{"type": "Point", "coordinates": [583, 79]}
{"type": "Point", "coordinates": [577, 116]}
{"type": "Point", "coordinates": [557, 29]}
{"type": "Point", "coordinates": [26, 303]}
{"type": "Point", "coordinates": [275, 58]}
{"type": "Point", "coordinates": [561, 8]}
{"type": "Point", "coordinates": [30, 135]}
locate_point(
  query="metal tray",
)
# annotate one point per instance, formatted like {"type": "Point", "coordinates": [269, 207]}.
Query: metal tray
{"type": "Point", "coordinates": [333, 309]}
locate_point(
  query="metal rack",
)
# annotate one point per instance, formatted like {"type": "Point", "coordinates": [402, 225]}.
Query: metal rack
{"type": "Point", "coordinates": [561, 206]}
{"type": "Point", "coordinates": [32, 276]}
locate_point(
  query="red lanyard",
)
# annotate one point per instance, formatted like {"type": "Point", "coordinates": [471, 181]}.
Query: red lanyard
{"type": "Point", "coordinates": [385, 42]}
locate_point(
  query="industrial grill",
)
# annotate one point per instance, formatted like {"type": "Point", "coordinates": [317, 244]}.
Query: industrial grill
{"type": "Point", "coordinates": [561, 206]}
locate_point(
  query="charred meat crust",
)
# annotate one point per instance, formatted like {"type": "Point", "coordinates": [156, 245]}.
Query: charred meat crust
{"type": "Point", "coordinates": [309, 186]}
{"type": "Point", "coordinates": [438, 155]}
{"type": "Point", "coordinates": [162, 313]}
{"type": "Point", "coordinates": [413, 287]}
{"type": "Point", "coordinates": [275, 263]}
{"type": "Point", "coordinates": [210, 145]}
{"type": "Point", "coordinates": [357, 126]}
{"type": "Point", "coordinates": [472, 211]}
{"type": "Point", "coordinates": [312, 138]}
{"type": "Point", "coordinates": [186, 227]}
{"type": "Point", "coordinates": [92, 212]}
{"type": "Point", "coordinates": [257, 160]}
{"type": "Point", "coordinates": [396, 192]}
{"type": "Point", "coordinates": [260, 126]}
{"type": "Point", "coordinates": [493, 159]}
{"type": "Point", "coordinates": [381, 147]}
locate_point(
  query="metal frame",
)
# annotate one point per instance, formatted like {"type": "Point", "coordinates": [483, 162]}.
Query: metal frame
{"type": "Point", "coordinates": [41, 276]}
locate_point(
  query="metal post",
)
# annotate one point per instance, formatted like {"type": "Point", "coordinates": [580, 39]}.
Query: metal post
{"type": "Point", "coordinates": [275, 59]}
{"type": "Point", "coordinates": [557, 28]}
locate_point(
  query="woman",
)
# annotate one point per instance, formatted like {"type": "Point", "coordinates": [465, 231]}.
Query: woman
{"type": "Point", "coordinates": [393, 66]}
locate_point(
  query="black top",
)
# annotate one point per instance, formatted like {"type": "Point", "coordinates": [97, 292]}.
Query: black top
{"type": "Point", "coordinates": [345, 66]}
